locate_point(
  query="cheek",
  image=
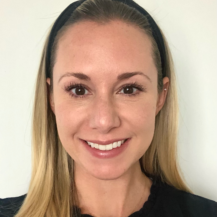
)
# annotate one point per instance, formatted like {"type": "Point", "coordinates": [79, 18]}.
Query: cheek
{"type": "Point", "coordinates": [141, 123]}
{"type": "Point", "coordinates": [137, 119]}
{"type": "Point", "coordinates": [141, 115]}
{"type": "Point", "coordinates": [67, 120]}
{"type": "Point", "coordinates": [68, 117]}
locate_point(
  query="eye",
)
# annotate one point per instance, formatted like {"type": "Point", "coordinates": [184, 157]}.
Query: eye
{"type": "Point", "coordinates": [76, 90]}
{"type": "Point", "coordinates": [132, 89]}
{"type": "Point", "coordinates": [79, 90]}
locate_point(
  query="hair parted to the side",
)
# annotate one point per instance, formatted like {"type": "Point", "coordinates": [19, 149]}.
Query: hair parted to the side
{"type": "Point", "coordinates": [52, 191]}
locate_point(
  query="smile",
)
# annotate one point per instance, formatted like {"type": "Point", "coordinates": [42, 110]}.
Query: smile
{"type": "Point", "coordinates": [106, 147]}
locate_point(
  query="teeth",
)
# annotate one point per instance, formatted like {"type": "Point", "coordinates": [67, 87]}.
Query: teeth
{"type": "Point", "coordinates": [115, 144]}
{"type": "Point", "coordinates": [96, 146]}
{"type": "Point", "coordinates": [109, 147]}
{"type": "Point", "coordinates": [106, 147]}
{"type": "Point", "coordinates": [102, 147]}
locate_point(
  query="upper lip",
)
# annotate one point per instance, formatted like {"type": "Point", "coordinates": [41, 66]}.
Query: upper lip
{"type": "Point", "coordinates": [105, 142]}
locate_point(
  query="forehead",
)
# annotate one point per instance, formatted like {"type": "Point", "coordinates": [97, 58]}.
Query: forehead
{"type": "Point", "coordinates": [113, 47]}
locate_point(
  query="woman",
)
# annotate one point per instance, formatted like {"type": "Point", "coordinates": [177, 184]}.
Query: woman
{"type": "Point", "coordinates": [105, 120]}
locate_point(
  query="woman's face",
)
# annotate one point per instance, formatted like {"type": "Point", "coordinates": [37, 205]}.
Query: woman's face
{"type": "Point", "coordinates": [104, 59]}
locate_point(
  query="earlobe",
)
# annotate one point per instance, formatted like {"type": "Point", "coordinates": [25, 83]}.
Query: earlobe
{"type": "Point", "coordinates": [50, 96]}
{"type": "Point", "coordinates": [162, 96]}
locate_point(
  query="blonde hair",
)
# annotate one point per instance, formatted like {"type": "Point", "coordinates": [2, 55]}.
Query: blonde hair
{"type": "Point", "coordinates": [52, 191]}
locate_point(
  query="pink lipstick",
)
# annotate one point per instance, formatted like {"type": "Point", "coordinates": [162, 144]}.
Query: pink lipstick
{"type": "Point", "coordinates": [106, 149]}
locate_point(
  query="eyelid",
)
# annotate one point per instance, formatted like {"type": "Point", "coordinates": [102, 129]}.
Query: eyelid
{"type": "Point", "coordinates": [133, 84]}
{"type": "Point", "coordinates": [73, 85]}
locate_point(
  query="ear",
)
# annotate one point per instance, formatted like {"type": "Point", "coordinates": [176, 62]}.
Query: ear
{"type": "Point", "coordinates": [50, 96]}
{"type": "Point", "coordinates": [162, 96]}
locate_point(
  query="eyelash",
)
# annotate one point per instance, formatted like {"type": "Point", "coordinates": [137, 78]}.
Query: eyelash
{"type": "Point", "coordinates": [71, 86]}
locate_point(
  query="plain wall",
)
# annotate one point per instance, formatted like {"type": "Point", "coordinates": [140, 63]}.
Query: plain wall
{"type": "Point", "coordinates": [190, 28]}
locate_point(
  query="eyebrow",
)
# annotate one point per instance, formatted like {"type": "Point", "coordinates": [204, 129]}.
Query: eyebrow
{"type": "Point", "coordinates": [120, 77]}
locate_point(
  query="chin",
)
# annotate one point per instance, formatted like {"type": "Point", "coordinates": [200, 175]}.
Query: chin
{"type": "Point", "coordinates": [107, 176]}
{"type": "Point", "coordinates": [108, 172]}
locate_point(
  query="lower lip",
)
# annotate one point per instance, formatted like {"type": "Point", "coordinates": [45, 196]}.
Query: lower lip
{"type": "Point", "coordinates": [106, 154]}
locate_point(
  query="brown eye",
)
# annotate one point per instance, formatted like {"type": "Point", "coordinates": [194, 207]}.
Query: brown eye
{"type": "Point", "coordinates": [79, 90]}
{"type": "Point", "coordinates": [76, 90]}
{"type": "Point", "coordinates": [132, 89]}
{"type": "Point", "coordinates": [128, 90]}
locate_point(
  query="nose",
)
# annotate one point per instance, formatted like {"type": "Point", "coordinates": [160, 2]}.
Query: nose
{"type": "Point", "coordinates": [104, 115]}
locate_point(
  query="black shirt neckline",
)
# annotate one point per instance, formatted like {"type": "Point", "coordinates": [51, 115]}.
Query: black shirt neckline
{"type": "Point", "coordinates": [148, 205]}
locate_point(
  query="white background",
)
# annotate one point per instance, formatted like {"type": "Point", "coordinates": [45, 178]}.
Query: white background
{"type": "Point", "coordinates": [189, 26]}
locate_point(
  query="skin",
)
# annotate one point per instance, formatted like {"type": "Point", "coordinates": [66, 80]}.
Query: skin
{"type": "Point", "coordinates": [114, 186]}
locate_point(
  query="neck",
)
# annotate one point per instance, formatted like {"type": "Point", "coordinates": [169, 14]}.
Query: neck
{"type": "Point", "coordinates": [118, 197]}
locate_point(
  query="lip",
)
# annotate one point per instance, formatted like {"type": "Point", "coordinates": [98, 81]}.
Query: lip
{"type": "Point", "coordinates": [105, 142]}
{"type": "Point", "coordinates": [106, 154]}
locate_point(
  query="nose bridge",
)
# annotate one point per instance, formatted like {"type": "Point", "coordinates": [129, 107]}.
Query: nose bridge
{"type": "Point", "coordinates": [103, 115]}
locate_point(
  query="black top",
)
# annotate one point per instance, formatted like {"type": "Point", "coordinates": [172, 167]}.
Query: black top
{"type": "Point", "coordinates": [163, 201]}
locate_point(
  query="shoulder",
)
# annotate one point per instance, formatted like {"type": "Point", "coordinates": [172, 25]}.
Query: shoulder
{"type": "Point", "coordinates": [175, 201]}
{"type": "Point", "coordinates": [10, 206]}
